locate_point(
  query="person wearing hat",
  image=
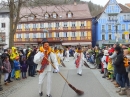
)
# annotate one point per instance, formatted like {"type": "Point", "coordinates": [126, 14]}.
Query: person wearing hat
{"type": "Point", "coordinates": [46, 67]}
{"type": "Point", "coordinates": [105, 61]}
{"type": "Point", "coordinates": [79, 61]}
{"type": "Point", "coordinates": [121, 70]}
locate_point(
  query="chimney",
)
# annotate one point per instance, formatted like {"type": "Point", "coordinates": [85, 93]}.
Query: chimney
{"type": "Point", "coordinates": [75, 3]}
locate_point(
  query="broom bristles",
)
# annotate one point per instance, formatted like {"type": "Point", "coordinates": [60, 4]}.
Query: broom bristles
{"type": "Point", "coordinates": [79, 92]}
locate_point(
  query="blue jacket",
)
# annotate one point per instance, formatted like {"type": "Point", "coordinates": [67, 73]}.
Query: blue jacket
{"type": "Point", "coordinates": [16, 65]}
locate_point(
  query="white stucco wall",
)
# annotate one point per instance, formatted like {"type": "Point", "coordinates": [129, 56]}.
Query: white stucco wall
{"type": "Point", "coordinates": [5, 20]}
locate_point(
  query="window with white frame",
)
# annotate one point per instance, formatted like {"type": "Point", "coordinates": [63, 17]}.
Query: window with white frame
{"type": "Point", "coordinates": [57, 34]}
{"type": "Point", "coordinates": [42, 35]}
{"type": "Point", "coordinates": [109, 27]}
{"type": "Point", "coordinates": [123, 36]}
{"type": "Point", "coordinates": [109, 36]}
{"type": "Point", "coordinates": [27, 35]}
{"type": "Point", "coordinates": [46, 15]}
{"type": "Point", "coordinates": [41, 25]}
{"type": "Point", "coordinates": [19, 26]}
{"type": "Point", "coordinates": [103, 36]}
{"type": "Point", "coordinates": [125, 17]}
{"type": "Point", "coordinates": [73, 34]}
{"type": "Point", "coordinates": [82, 23]}
{"type": "Point", "coordinates": [34, 26]}
{"type": "Point", "coordinates": [65, 24]}
{"type": "Point", "coordinates": [54, 15]}
{"type": "Point", "coordinates": [57, 24]}
{"type": "Point", "coordinates": [82, 33]}
{"type": "Point", "coordinates": [69, 14]}
{"type": "Point", "coordinates": [19, 35]}
{"type": "Point", "coordinates": [49, 25]}
{"type": "Point", "coordinates": [103, 27]}
{"type": "Point", "coordinates": [65, 34]}
{"type": "Point", "coordinates": [50, 35]}
{"type": "Point", "coordinates": [73, 24]}
{"type": "Point", "coordinates": [26, 26]}
{"type": "Point", "coordinates": [34, 35]}
{"type": "Point", "coordinates": [123, 26]}
{"type": "Point", "coordinates": [129, 27]}
{"type": "Point", "coordinates": [3, 25]}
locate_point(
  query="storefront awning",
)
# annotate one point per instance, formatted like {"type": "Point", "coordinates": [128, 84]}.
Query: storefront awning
{"type": "Point", "coordinates": [77, 43]}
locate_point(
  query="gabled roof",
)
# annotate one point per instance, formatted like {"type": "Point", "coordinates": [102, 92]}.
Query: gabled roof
{"type": "Point", "coordinates": [80, 11]}
{"type": "Point", "coordinates": [128, 4]}
{"type": "Point", "coordinates": [124, 9]}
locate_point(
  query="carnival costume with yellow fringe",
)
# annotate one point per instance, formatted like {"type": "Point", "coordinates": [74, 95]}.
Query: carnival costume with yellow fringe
{"type": "Point", "coordinates": [45, 61]}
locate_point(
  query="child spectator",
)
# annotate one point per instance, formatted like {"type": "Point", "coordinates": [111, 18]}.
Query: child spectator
{"type": "Point", "coordinates": [105, 62]}
{"type": "Point", "coordinates": [24, 67]}
{"type": "Point", "coordinates": [110, 70]}
{"type": "Point", "coordinates": [6, 69]}
{"type": "Point", "coordinates": [17, 68]}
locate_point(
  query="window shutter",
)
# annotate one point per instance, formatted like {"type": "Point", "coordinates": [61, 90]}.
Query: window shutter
{"type": "Point", "coordinates": [85, 23]}
{"type": "Point", "coordinates": [24, 35]}
{"type": "Point", "coordinates": [79, 23]}
{"type": "Point", "coordinates": [70, 24]}
{"type": "Point", "coordinates": [70, 34]}
{"type": "Point", "coordinates": [54, 34]}
{"type": "Point", "coordinates": [76, 34]}
{"type": "Point", "coordinates": [44, 35]}
{"type": "Point", "coordinates": [59, 34]}
{"type": "Point", "coordinates": [85, 33]}
{"type": "Point", "coordinates": [16, 35]}
{"type": "Point", "coordinates": [54, 24]}
{"type": "Point", "coordinates": [37, 35]}
{"type": "Point", "coordinates": [79, 34]}
{"type": "Point", "coordinates": [76, 23]}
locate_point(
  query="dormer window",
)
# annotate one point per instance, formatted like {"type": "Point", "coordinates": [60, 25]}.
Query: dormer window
{"type": "Point", "coordinates": [54, 15]}
{"type": "Point", "coordinates": [69, 14]}
{"type": "Point", "coordinates": [46, 15]}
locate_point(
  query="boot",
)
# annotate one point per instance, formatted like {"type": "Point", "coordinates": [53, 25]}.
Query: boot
{"type": "Point", "coordinates": [116, 85]}
{"type": "Point", "coordinates": [123, 91]}
{"type": "Point", "coordinates": [118, 90]}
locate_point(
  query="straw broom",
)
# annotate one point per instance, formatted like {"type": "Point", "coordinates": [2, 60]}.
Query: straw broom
{"type": "Point", "coordinates": [79, 92]}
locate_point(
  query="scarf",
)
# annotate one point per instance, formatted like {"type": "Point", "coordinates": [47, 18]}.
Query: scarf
{"type": "Point", "coordinates": [44, 62]}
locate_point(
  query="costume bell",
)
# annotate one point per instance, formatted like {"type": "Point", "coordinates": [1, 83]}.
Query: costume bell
{"type": "Point", "coordinates": [46, 68]}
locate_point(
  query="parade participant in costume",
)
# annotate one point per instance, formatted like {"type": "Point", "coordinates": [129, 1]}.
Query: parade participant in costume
{"type": "Point", "coordinates": [56, 52]}
{"type": "Point", "coordinates": [61, 55]}
{"type": "Point", "coordinates": [46, 67]}
{"type": "Point", "coordinates": [67, 54]}
{"type": "Point", "coordinates": [14, 53]}
{"type": "Point", "coordinates": [79, 61]}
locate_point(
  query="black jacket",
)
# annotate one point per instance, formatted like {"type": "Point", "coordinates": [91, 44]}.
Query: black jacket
{"type": "Point", "coordinates": [119, 64]}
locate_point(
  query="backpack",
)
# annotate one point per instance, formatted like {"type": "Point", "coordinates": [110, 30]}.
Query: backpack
{"type": "Point", "coordinates": [107, 59]}
{"type": "Point", "coordinates": [126, 61]}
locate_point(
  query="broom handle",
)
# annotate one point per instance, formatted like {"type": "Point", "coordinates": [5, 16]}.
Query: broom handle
{"type": "Point", "coordinates": [58, 72]}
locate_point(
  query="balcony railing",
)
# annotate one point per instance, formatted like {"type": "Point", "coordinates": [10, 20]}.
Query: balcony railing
{"type": "Point", "coordinates": [27, 29]}
{"type": "Point", "coordinates": [73, 38]}
{"type": "Point", "coordinates": [27, 39]}
{"type": "Point", "coordinates": [65, 28]}
{"type": "Point", "coordinates": [82, 27]}
{"type": "Point", "coordinates": [126, 20]}
{"type": "Point", "coordinates": [83, 38]}
{"type": "Point", "coordinates": [34, 29]}
{"type": "Point", "coordinates": [73, 28]}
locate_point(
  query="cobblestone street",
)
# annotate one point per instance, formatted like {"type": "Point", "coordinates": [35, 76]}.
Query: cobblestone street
{"type": "Point", "coordinates": [90, 82]}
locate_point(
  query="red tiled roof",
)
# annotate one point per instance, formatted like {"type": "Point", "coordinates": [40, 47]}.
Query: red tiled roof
{"type": "Point", "coordinates": [79, 11]}
{"type": "Point", "coordinates": [127, 4]}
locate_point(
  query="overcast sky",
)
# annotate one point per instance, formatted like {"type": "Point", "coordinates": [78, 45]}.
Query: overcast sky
{"type": "Point", "coordinates": [103, 2]}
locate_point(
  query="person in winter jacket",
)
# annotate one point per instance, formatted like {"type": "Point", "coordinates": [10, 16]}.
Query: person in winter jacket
{"type": "Point", "coordinates": [121, 70]}
{"type": "Point", "coordinates": [1, 69]}
{"type": "Point", "coordinates": [24, 67]}
{"type": "Point", "coordinates": [6, 69]}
